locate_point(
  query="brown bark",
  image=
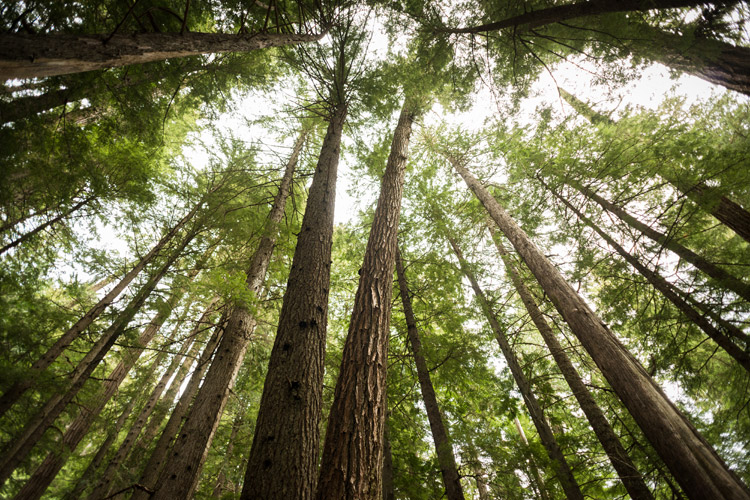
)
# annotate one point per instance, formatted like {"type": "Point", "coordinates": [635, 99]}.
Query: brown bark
{"type": "Point", "coordinates": [443, 447]}
{"type": "Point", "coordinates": [352, 461]}
{"type": "Point", "coordinates": [11, 395]}
{"type": "Point", "coordinates": [723, 208]}
{"type": "Point", "coordinates": [35, 56]}
{"type": "Point", "coordinates": [21, 445]}
{"type": "Point", "coordinates": [284, 453]}
{"type": "Point", "coordinates": [619, 458]}
{"type": "Point", "coordinates": [182, 471]}
{"type": "Point", "coordinates": [388, 493]}
{"type": "Point", "coordinates": [559, 462]}
{"type": "Point", "coordinates": [670, 292]}
{"type": "Point", "coordinates": [693, 462]}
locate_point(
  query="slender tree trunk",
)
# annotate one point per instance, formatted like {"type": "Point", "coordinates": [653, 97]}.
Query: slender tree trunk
{"type": "Point", "coordinates": [221, 478]}
{"type": "Point", "coordinates": [620, 459]}
{"type": "Point", "coordinates": [147, 483]}
{"type": "Point", "coordinates": [352, 461]}
{"type": "Point", "coordinates": [560, 464]}
{"type": "Point", "coordinates": [11, 395]}
{"type": "Point", "coordinates": [388, 493]}
{"type": "Point", "coordinates": [28, 106]}
{"type": "Point", "coordinates": [35, 56]}
{"type": "Point", "coordinates": [693, 462]}
{"type": "Point", "coordinates": [722, 277]}
{"type": "Point", "coordinates": [19, 448]}
{"type": "Point", "coordinates": [443, 447]}
{"type": "Point", "coordinates": [585, 110]}
{"type": "Point", "coordinates": [284, 453]}
{"type": "Point", "coordinates": [537, 479]}
{"type": "Point", "coordinates": [669, 292]}
{"type": "Point", "coordinates": [482, 489]}
{"type": "Point", "coordinates": [182, 471]}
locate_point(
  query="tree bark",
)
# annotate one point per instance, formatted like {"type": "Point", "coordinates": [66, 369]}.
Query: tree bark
{"type": "Point", "coordinates": [11, 395]}
{"type": "Point", "coordinates": [28, 106]}
{"type": "Point", "coordinates": [221, 478]}
{"type": "Point", "coordinates": [352, 460]}
{"type": "Point", "coordinates": [388, 493]}
{"type": "Point", "coordinates": [36, 56]}
{"type": "Point", "coordinates": [619, 458]}
{"type": "Point", "coordinates": [559, 462]}
{"type": "Point", "coordinates": [537, 479]}
{"type": "Point", "coordinates": [693, 462]}
{"type": "Point", "coordinates": [670, 292]}
{"type": "Point", "coordinates": [284, 453]}
{"type": "Point", "coordinates": [443, 446]}
{"type": "Point", "coordinates": [182, 471]}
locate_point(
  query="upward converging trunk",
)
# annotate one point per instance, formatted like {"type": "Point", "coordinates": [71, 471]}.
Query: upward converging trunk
{"type": "Point", "coordinates": [284, 452]}
{"type": "Point", "coordinates": [692, 461]}
{"type": "Point", "coordinates": [619, 458]}
{"type": "Point", "coordinates": [352, 462]}
{"type": "Point", "coordinates": [559, 462]}
{"type": "Point", "coordinates": [443, 447]}
{"type": "Point", "coordinates": [35, 56]}
{"type": "Point", "coordinates": [180, 475]}
{"type": "Point", "coordinates": [536, 476]}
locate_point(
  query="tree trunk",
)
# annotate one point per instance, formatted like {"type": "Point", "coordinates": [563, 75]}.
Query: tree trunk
{"type": "Point", "coordinates": [537, 479]}
{"type": "Point", "coordinates": [693, 462]}
{"type": "Point", "coordinates": [181, 473]}
{"type": "Point", "coordinates": [11, 395]}
{"type": "Point", "coordinates": [443, 447]}
{"type": "Point", "coordinates": [221, 478]}
{"type": "Point", "coordinates": [620, 459]}
{"type": "Point", "coordinates": [36, 56]}
{"type": "Point", "coordinates": [388, 493]}
{"type": "Point", "coordinates": [352, 461]}
{"type": "Point", "coordinates": [585, 110]}
{"type": "Point", "coordinates": [722, 277]}
{"type": "Point", "coordinates": [284, 453]}
{"type": "Point", "coordinates": [147, 483]}
{"type": "Point", "coordinates": [671, 293]}
{"type": "Point", "coordinates": [28, 106]}
{"type": "Point", "coordinates": [560, 464]}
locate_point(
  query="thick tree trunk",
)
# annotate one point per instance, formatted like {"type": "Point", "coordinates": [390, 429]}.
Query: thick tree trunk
{"type": "Point", "coordinates": [443, 447]}
{"type": "Point", "coordinates": [181, 473]}
{"type": "Point", "coordinates": [559, 462]}
{"type": "Point", "coordinates": [693, 462]}
{"type": "Point", "coordinates": [722, 277]}
{"type": "Point", "coordinates": [671, 293]}
{"type": "Point", "coordinates": [35, 56]}
{"type": "Point", "coordinates": [723, 208]}
{"type": "Point", "coordinates": [284, 454]}
{"type": "Point", "coordinates": [17, 450]}
{"type": "Point", "coordinates": [352, 461]}
{"type": "Point", "coordinates": [620, 459]}
{"type": "Point", "coordinates": [11, 395]}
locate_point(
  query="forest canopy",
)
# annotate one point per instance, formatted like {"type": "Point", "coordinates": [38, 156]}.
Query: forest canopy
{"type": "Point", "coordinates": [375, 250]}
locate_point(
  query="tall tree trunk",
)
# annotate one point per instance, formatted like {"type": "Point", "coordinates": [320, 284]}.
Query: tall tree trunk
{"type": "Point", "coordinates": [443, 447]}
{"type": "Point", "coordinates": [722, 277]}
{"type": "Point", "coordinates": [11, 395]}
{"type": "Point", "coordinates": [146, 485]}
{"type": "Point", "coordinates": [671, 293]}
{"type": "Point", "coordinates": [559, 462]}
{"type": "Point", "coordinates": [221, 478]}
{"type": "Point", "coordinates": [28, 106]}
{"type": "Point", "coordinates": [35, 56]}
{"type": "Point", "coordinates": [619, 458]}
{"type": "Point", "coordinates": [585, 110]}
{"type": "Point", "coordinates": [284, 453]}
{"type": "Point", "coordinates": [537, 479]}
{"type": "Point", "coordinates": [693, 462]}
{"type": "Point", "coordinates": [181, 473]}
{"type": "Point", "coordinates": [20, 446]}
{"type": "Point", "coordinates": [352, 461]}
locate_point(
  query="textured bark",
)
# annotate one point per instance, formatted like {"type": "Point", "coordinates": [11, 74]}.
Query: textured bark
{"type": "Point", "coordinates": [619, 458]}
{"type": "Point", "coordinates": [691, 460]}
{"type": "Point", "coordinates": [670, 293]}
{"type": "Point", "coordinates": [11, 395]}
{"type": "Point", "coordinates": [35, 56]}
{"type": "Point", "coordinates": [388, 493]}
{"type": "Point", "coordinates": [443, 447]}
{"type": "Point", "coordinates": [721, 277]}
{"type": "Point", "coordinates": [352, 461]}
{"type": "Point", "coordinates": [17, 450]}
{"type": "Point", "coordinates": [723, 208]}
{"type": "Point", "coordinates": [284, 453]}
{"type": "Point", "coordinates": [28, 106]}
{"type": "Point", "coordinates": [182, 471]}
{"type": "Point", "coordinates": [147, 482]}
{"type": "Point", "coordinates": [560, 464]}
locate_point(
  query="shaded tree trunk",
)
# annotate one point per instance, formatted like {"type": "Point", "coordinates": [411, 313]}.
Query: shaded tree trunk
{"type": "Point", "coordinates": [559, 462]}
{"type": "Point", "coordinates": [693, 462]}
{"type": "Point", "coordinates": [388, 493]}
{"type": "Point", "coordinates": [28, 106]}
{"type": "Point", "coordinates": [537, 479]}
{"type": "Point", "coordinates": [181, 473]}
{"type": "Point", "coordinates": [352, 460]}
{"type": "Point", "coordinates": [221, 479]}
{"type": "Point", "coordinates": [284, 453]}
{"type": "Point", "coordinates": [619, 458]}
{"type": "Point", "coordinates": [443, 447]}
